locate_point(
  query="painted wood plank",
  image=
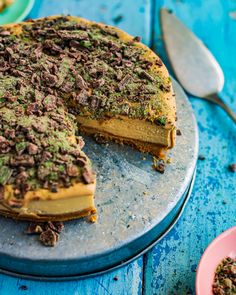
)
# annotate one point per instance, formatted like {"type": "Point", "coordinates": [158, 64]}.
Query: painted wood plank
{"type": "Point", "coordinates": [134, 17]}
{"type": "Point", "coordinates": [171, 266]}
{"type": "Point", "coordinates": [131, 16]}
{"type": "Point", "coordinates": [127, 280]}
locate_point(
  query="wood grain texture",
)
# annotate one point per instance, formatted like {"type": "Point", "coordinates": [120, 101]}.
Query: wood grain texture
{"type": "Point", "coordinates": [132, 16]}
{"type": "Point", "coordinates": [171, 266]}
{"type": "Point", "coordinates": [114, 13]}
{"type": "Point", "coordinates": [128, 281]}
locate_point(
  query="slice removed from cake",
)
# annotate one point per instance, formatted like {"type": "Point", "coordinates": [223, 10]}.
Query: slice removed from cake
{"type": "Point", "coordinates": [61, 75]}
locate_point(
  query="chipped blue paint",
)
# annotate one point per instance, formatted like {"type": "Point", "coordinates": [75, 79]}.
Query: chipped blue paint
{"type": "Point", "coordinates": [170, 267]}
{"type": "Point", "coordinates": [116, 12]}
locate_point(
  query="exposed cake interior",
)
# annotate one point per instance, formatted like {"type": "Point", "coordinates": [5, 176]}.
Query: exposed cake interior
{"type": "Point", "coordinates": [77, 201]}
{"type": "Point", "coordinates": [142, 134]}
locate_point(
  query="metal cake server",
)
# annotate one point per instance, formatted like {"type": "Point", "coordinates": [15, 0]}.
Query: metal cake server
{"type": "Point", "coordinates": [193, 64]}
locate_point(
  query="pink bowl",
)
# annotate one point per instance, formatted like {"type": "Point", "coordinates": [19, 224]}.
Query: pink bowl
{"type": "Point", "coordinates": [223, 246]}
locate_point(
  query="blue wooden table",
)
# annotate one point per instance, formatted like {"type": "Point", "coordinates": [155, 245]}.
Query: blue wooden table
{"type": "Point", "coordinates": [170, 267]}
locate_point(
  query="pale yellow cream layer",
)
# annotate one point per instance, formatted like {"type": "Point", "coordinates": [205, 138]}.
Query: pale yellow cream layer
{"type": "Point", "coordinates": [135, 129]}
{"type": "Point", "coordinates": [55, 207]}
{"type": "Point", "coordinates": [77, 198]}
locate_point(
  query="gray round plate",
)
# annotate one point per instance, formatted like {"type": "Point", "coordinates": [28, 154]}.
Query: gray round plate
{"type": "Point", "coordinates": [136, 205]}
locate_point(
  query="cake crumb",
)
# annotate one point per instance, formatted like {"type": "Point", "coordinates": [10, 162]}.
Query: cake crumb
{"type": "Point", "coordinates": [49, 232]}
{"type": "Point", "coordinates": [169, 160]}
{"type": "Point", "coordinates": [159, 165]}
{"type": "Point", "coordinates": [34, 228]}
{"type": "Point", "coordinates": [201, 158]}
{"type": "Point", "coordinates": [49, 238]}
{"type": "Point", "coordinates": [232, 167]}
{"type": "Point", "coordinates": [178, 132]}
{"type": "Point", "coordinates": [93, 218]}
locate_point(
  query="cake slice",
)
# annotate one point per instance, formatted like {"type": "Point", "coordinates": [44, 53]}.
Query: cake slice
{"type": "Point", "coordinates": [61, 75]}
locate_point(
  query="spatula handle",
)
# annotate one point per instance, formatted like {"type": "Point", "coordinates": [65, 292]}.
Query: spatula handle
{"type": "Point", "coordinates": [214, 98]}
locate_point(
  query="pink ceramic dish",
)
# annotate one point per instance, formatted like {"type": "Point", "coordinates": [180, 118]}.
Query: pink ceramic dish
{"type": "Point", "coordinates": [223, 246]}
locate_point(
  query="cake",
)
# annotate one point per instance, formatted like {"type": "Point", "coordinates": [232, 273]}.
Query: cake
{"type": "Point", "coordinates": [60, 78]}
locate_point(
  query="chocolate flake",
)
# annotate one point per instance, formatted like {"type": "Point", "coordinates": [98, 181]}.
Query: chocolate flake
{"type": "Point", "coordinates": [82, 97]}
{"type": "Point", "coordinates": [98, 83]}
{"type": "Point", "coordinates": [50, 102]}
{"type": "Point", "coordinates": [4, 145]}
{"type": "Point", "coordinates": [1, 192]}
{"type": "Point", "coordinates": [159, 165]}
{"type": "Point", "coordinates": [32, 149]}
{"type": "Point", "coordinates": [232, 167]}
{"type": "Point", "coordinates": [48, 232]}
{"type": "Point", "coordinates": [159, 62]}
{"type": "Point", "coordinates": [80, 83]}
{"type": "Point", "coordinates": [34, 228]}
{"type": "Point", "coordinates": [51, 47]}
{"type": "Point", "coordinates": [35, 79]}
{"type": "Point", "coordinates": [178, 132]}
{"type": "Point", "coordinates": [72, 170]}
{"type": "Point", "coordinates": [34, 108]}
{"type": "Point", "coordinates": [39, 127]}
{"type": "Point", "coordinates": [137, 39]}
{"type": "Point", "coordinates": [100, 139]}
{"type": "Point", "coordinates": [80, 141]}
{"type": "Point", "coordinates": [147, 76]}
{"type": "Point", "coordinates": [49, 79]}
{"type": "Point", "coordinates": [165, 87]}
{"type": "Point", "coordinates": [124, 82]}
{"type": "Point", "coordinates": [23, 160]}
{"type": "Point", "coordinates": [56, 226]}
{"type": "Point", "coordinates": [88, 176]}
{"type": "Point", "coordinates": [49, 238]}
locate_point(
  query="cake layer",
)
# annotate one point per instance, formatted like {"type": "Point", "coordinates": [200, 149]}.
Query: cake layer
{"type": "Point", "coordinates": [88, 211]}
{"type": "Point", "coordinates": [42, 204]}
{"type": "Point", "coordinates": [144, 135]}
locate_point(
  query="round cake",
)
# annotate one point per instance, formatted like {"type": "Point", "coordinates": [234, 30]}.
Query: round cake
{"type": "Point", "coordinates": [61, 77]}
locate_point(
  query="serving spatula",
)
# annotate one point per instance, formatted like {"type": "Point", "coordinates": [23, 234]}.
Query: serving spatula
{"type": "Point", "coordinates": [194, 65]}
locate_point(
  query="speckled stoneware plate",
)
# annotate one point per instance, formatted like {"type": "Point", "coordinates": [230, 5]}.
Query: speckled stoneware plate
{"type": "Point", "coordinates": [136, 206]}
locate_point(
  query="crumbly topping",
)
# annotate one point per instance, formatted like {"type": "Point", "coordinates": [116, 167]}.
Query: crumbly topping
{"type": "Point", "coordinates": [225, 277]}
{"type": "Point", "coordinates": [38, 151]}
{"type": "Point", "coordinates": [49, 232]}
{"type": "Point", "coordinates": [52, 70]}
{"type": "Point", "coordinates": [159, 165]}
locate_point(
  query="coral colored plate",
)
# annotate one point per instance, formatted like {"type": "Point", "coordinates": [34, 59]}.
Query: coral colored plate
{"type": "Point", "coordinates": [223, 246]}
{"type": "Point", "coordinates": [16, 12]}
